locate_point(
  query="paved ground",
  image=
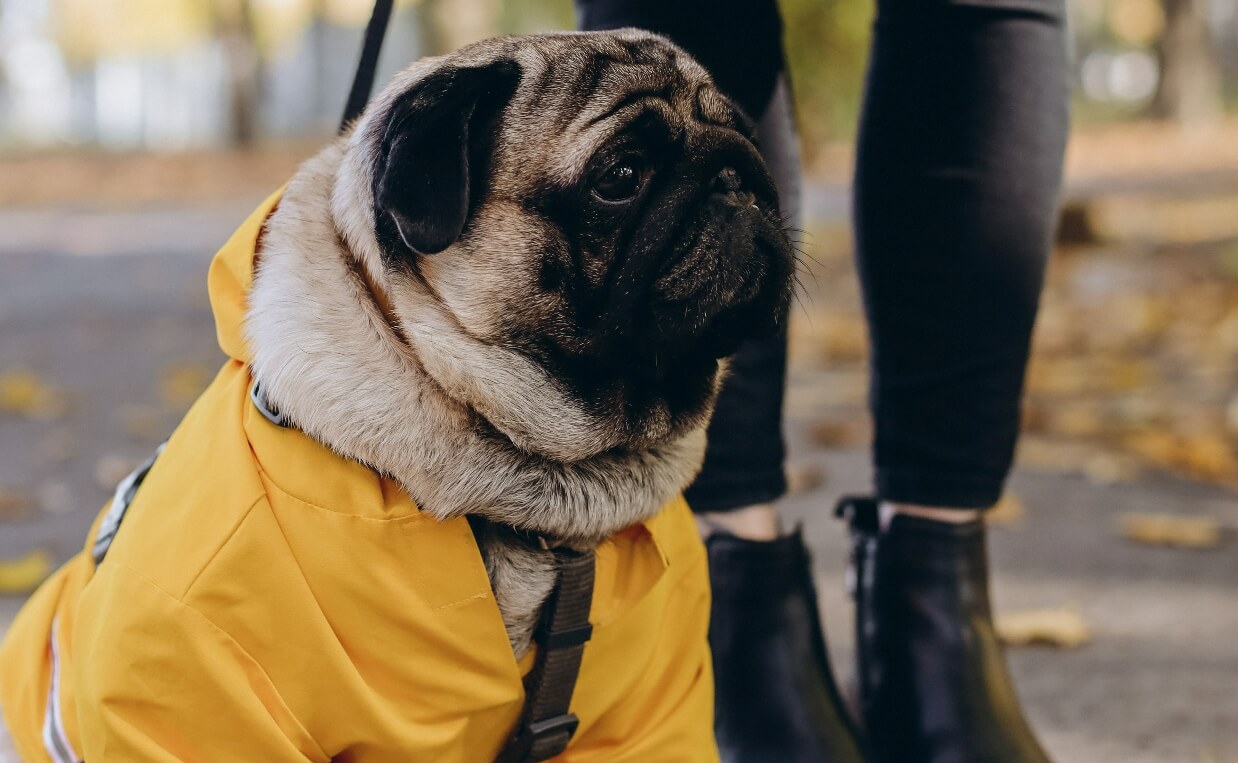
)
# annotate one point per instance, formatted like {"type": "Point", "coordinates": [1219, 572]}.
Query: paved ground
{"type": "Point", "coordinates": [111, 309]}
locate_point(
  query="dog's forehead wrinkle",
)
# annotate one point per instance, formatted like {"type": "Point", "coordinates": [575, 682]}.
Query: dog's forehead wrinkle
{"type": "Point", "coordinates": [570, 152]}
{"type": "Point", "coordinates": [620, 83]}
{"type": "Point", "coordinates": [712, 106]}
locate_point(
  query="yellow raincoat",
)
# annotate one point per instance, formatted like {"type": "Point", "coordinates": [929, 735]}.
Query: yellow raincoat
{"type": "Point", "coordinates": [267, 600]}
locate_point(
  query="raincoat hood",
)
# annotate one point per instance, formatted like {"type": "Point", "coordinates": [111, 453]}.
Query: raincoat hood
{"type": "Point", "coordinates": [232, 276]}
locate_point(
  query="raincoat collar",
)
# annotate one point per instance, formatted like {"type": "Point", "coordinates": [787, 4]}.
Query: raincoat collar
{"type": "Point", "coordinates": [629, 564]}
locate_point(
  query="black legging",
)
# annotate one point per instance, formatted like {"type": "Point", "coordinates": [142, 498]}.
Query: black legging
{"type": "Point", "coordinates": [957, 175]}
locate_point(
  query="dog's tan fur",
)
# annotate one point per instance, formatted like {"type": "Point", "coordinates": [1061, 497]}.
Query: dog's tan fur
{"type": "Point", "coordinates": [465, 424]}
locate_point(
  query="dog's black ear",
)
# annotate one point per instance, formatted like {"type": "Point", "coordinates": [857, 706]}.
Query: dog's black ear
{"type": "Point", "coordinates": [434, 153]}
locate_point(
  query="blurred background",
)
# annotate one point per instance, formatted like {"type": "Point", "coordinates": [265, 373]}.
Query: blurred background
{"type": "Point", "coordinates": [135, 134]}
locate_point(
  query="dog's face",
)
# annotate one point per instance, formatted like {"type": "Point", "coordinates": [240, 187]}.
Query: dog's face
{"type": "Point", "coordinates": [587, 207]}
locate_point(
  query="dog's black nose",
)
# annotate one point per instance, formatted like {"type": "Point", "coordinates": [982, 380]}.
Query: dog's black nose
{"type": "Point", "coordinates": [727, 181]}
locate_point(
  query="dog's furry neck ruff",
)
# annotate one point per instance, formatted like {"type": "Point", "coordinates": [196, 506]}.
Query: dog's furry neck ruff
{"type": "Point", "coordinates": [411, 406]}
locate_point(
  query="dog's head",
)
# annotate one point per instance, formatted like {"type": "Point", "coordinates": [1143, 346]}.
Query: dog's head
{"type": "Point", "coordinates": [570, 230]}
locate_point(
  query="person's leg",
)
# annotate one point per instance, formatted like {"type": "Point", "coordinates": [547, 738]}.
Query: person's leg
{"type": "Point", "coordinates": [957, 177]}
{"type": "Point", "coordinates": [775, 696]}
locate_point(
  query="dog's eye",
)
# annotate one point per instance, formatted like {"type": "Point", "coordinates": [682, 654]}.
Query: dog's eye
{"type": "Point", "coordinates": [621, 182]}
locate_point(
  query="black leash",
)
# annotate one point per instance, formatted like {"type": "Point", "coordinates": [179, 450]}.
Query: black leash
{"type": "Point", "coordinates": [363, 80]}
{"type": "Point", "coordinates": [546, 725]}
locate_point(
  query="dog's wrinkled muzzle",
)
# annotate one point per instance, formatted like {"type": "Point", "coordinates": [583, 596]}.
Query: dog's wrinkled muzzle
{"type": "Point", "coordinates": [730, 277]}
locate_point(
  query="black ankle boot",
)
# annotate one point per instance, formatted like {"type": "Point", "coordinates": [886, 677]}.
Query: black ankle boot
{"type": "Point", "coordinates": [776, 699]}
{"type": "Point", "coordinates": [933, 682]}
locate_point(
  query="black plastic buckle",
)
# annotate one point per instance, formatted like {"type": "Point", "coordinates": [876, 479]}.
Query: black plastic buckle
{"type": "Point", "coordinates": [556, 731]}
{"type": "Point", "coordinates": [860, 512]}
{"type": "Point", "coordinates": [553, 725]}
{"type": "Point", "coordinates": [564, 639]}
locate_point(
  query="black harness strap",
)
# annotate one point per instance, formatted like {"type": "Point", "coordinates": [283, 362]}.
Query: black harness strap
{"type": "Point", "coordinates": [363, 80]}
{"type": "Point", "coordinates": [546, 725]}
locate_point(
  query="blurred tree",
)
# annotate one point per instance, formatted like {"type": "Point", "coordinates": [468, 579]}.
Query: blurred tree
{"type": "Point", "coordinates": [827, 47]}
{"type": "Point", "coordinates": [318, 46]}
{"type": "Point", "coordinates": [529, 16]}
{"type": "Point", "coordinates": [826, 40]}
{"type": "Point", "coordinates": [1189, 91]}
{"type": "Point", "coordinates": [234, 26]}
{"type": "Point", "coordinates": [453, 23]}
{"type": "Point", "coordinates": [88, 30]}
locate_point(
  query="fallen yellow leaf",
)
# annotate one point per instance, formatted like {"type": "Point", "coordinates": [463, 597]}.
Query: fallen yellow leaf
{"type": "Point", "coordinates": [1049, 455]}
{"type": "Point", "coordinates": [23, 575]}
{"type": "Point", "coordinates": [13, 505]}
{"type": "Point", "coordinates": [1209, 455]}
{"type": "Point", "coordinates": [1008, 511]}
{"type": "Point", "coordinates": [1171, 530]}
{"type": "Point", "coordinates": [1108, 468]}
{"type": "Point", "coordinates": [180, 384]}
{"type": "Point", "coordinates": [834, 433]}
{"type": "Point", "coordinates": [843, 337]}
{"type": "Point", "coordinates": [802, 477]}
{"type": "Point", "coordinates": [1205, 454]}
{"type": "Point", "coordinates": [1077, 374]}
{"type": "Point", "coordinates": [142, 422]}
{"type": "Point", "coordinates": [1225, 333]}
{"type": "Point", "coordinates": [1055, 376]}
{"type": "Point", "coordinates": [1075, 421]}
{"type": "Point", "coordinates": [1097, 464]}
{"type": "Point", "coordinates": [1062, 628]}
{"type": "Point", "coordinates": [23, 392]}
{"type": "Point", "coordinates": [1159, 447]}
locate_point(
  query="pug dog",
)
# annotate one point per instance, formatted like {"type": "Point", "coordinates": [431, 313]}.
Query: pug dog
{"type": "Point", "coordinates": [510, 288]}
{"type": "Point", "coordinates": [564, 235]}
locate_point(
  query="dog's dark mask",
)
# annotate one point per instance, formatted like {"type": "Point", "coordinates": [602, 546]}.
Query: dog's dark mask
{"type": "Point", "coordinates": [669, 248]}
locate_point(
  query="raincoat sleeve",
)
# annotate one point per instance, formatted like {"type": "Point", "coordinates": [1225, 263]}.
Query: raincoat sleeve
{"type": "Point", "coordinates": [158, 681]}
